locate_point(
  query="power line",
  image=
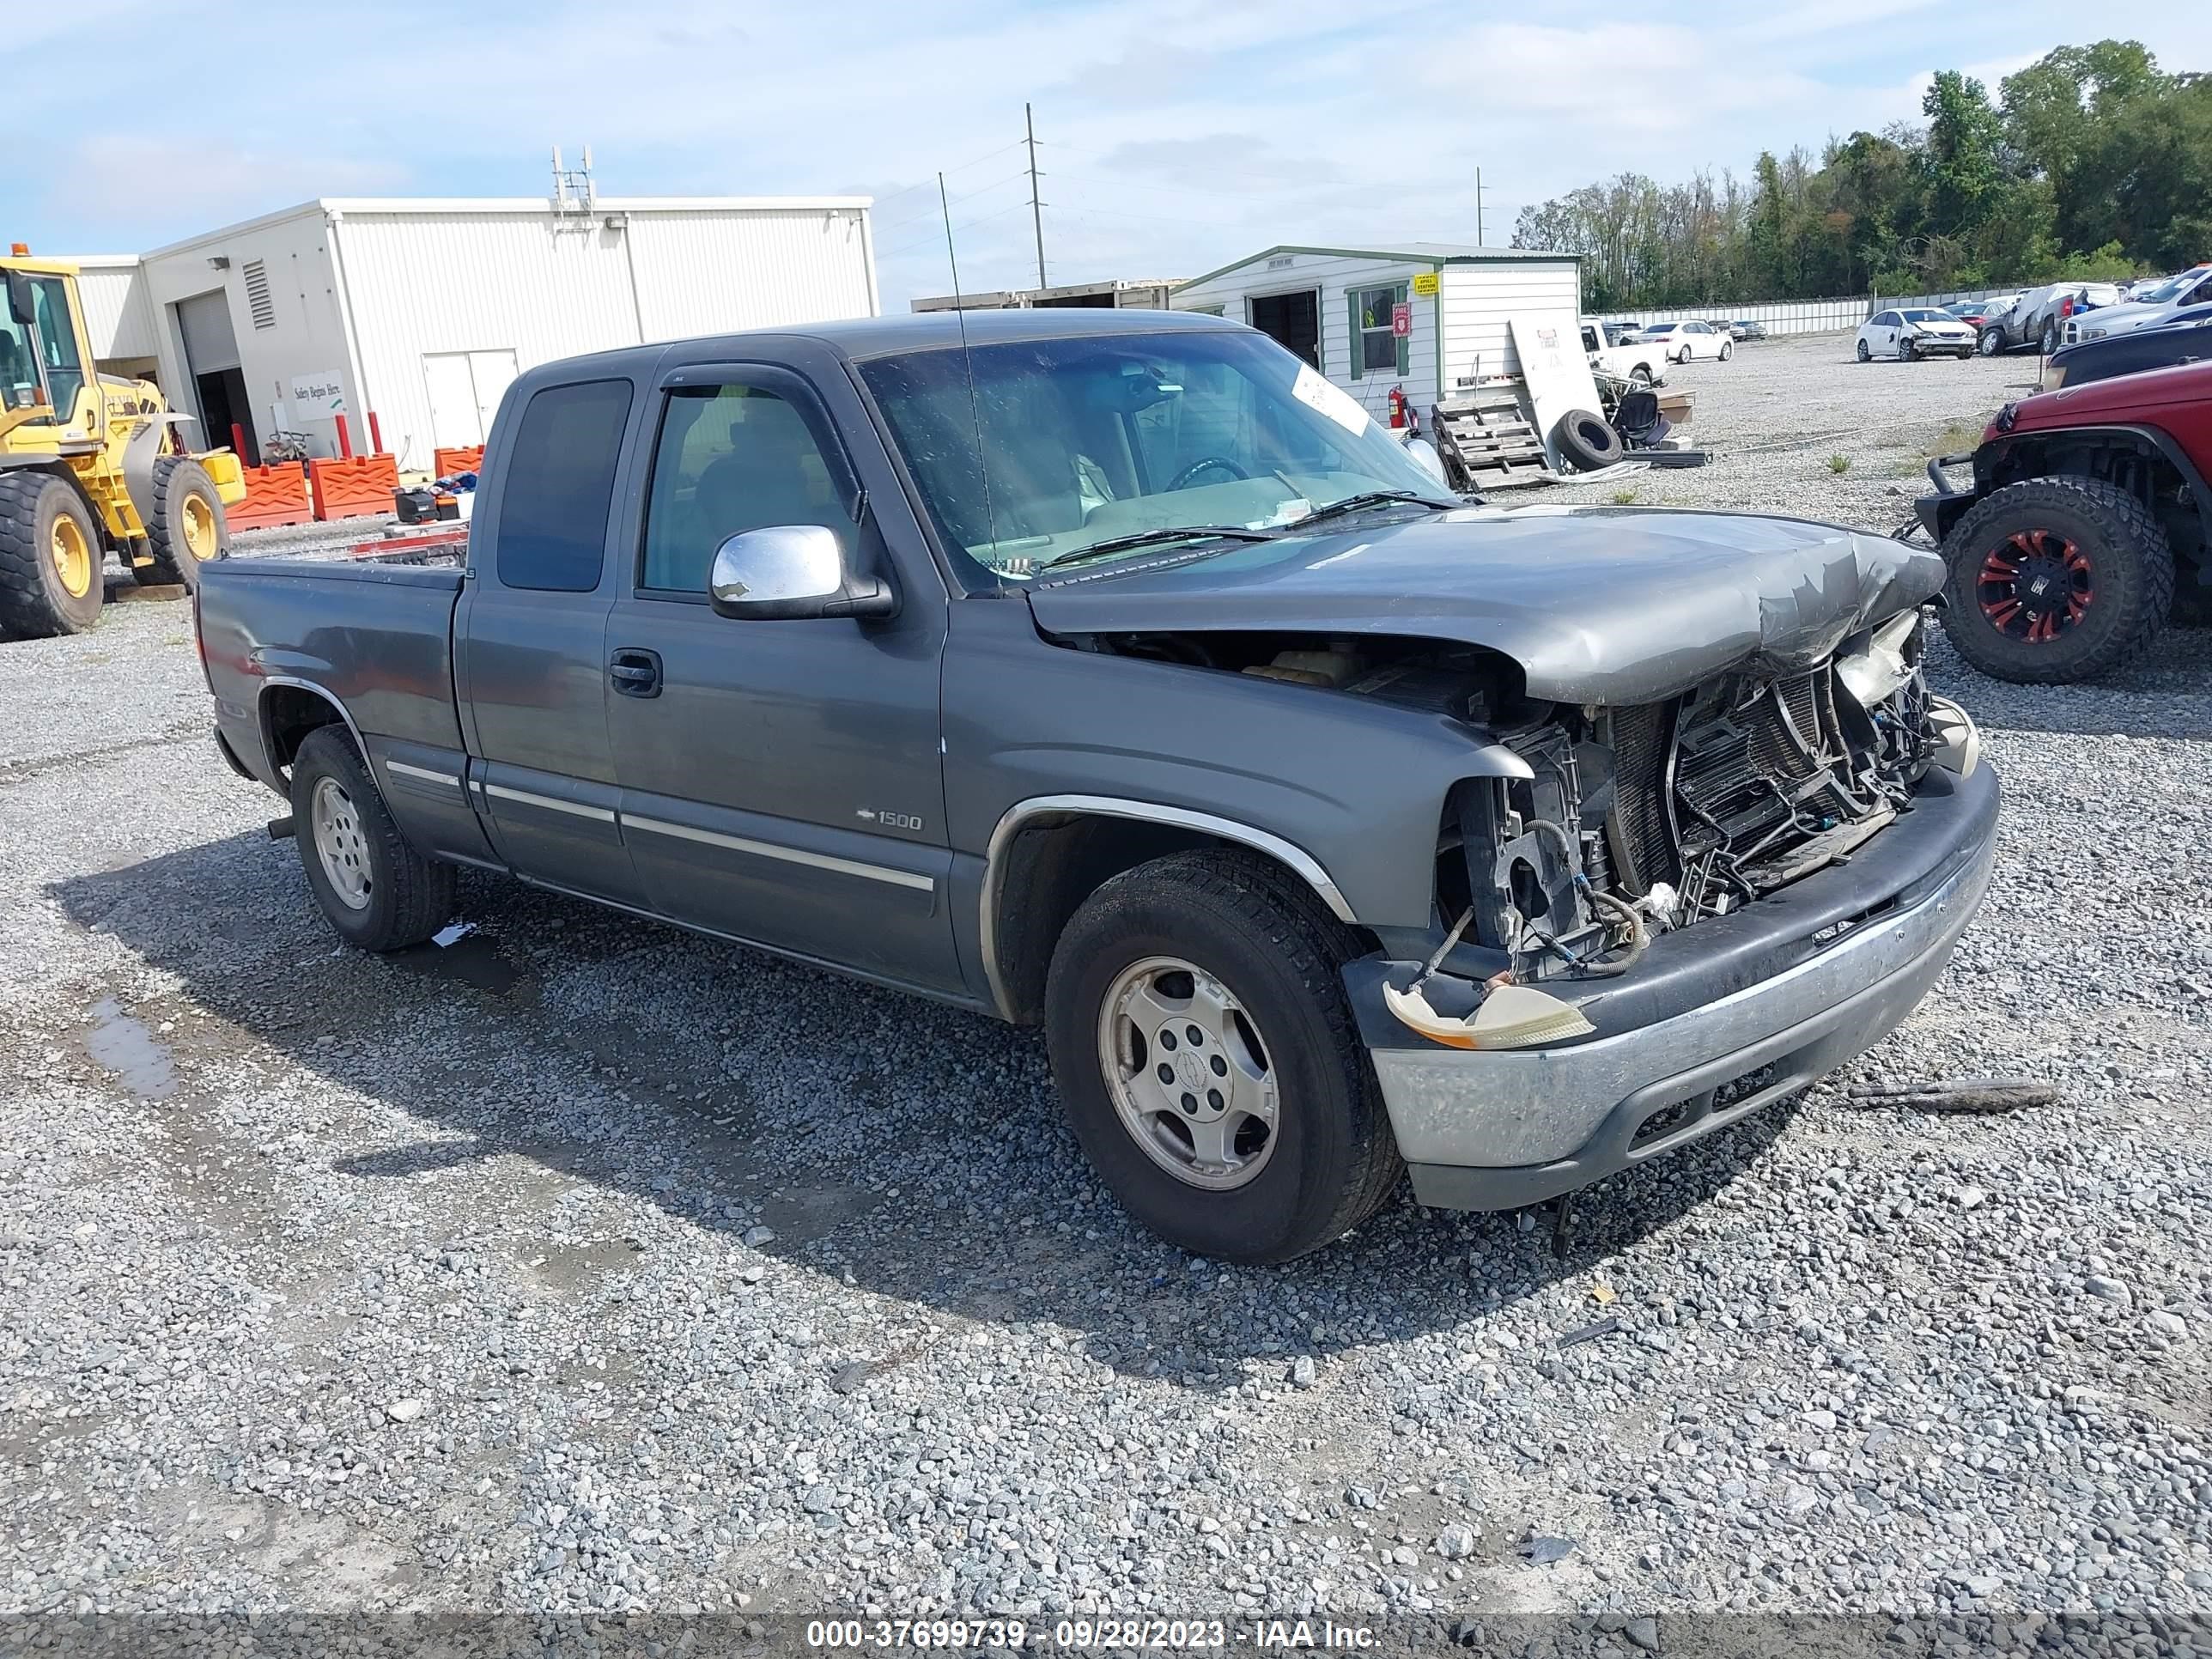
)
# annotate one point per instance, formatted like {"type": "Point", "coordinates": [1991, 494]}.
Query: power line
{"type": "Point", "coordinates": [980, 190]}
{"type": "Point", "coordinates": [926, 183]}
{"type": "Point", "coordinates": [965, 224]}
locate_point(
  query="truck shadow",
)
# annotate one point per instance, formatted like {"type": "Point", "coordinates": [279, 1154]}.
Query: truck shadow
{"type": "Point", "coordinates": [913, 1151]}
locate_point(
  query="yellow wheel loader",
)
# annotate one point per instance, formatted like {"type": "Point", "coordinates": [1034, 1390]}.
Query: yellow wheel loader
{"type": "Point", "coordinates": [90, 464]}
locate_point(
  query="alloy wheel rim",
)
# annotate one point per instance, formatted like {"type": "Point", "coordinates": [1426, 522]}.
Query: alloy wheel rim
{"type": "Point", "coordinates": [2035, 586]}
{"type": "Point", "coordinates": [72, 556]}
{"type": "Point", "coordinates": [1190, 1073]}
{"type": "Point", "coordinates": [339, 844]}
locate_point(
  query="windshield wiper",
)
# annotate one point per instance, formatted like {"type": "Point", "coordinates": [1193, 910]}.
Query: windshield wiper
{"type": "Point", "coordinates": [1367, 498]}
{"type": "Point", "coordinates": [1190, 533]}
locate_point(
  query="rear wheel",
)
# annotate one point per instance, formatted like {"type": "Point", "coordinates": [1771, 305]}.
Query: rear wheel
{"type": "Point", "coordinates": [1209, 1061]}
{"type": "Point", "coordinates": [1728, 349]}
{"type": "Point", "coordinates": [2056, 580]}
{"type": "Point", "coordinates": [186, 527]}
{"type": "Point", "coordinates": [50, 557]}
{"type": "Point", "coordinates": [375, 888]}
{"type": "Point", "coordinates": [2050, 338]}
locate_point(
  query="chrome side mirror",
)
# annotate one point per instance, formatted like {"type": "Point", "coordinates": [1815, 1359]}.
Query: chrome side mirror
{"type": "Point", "coordinates": [780, 571]}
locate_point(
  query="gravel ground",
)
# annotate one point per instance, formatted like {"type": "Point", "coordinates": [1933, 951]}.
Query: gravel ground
{"type": "Point", "coordinates": [585, 1267]}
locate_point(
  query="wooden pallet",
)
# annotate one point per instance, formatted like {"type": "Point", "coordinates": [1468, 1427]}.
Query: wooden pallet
{"type": "Point", "coordinates": [1486, 439]}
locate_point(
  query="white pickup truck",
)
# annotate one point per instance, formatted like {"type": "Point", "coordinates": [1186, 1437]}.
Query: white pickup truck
{"type": "Point", "coordinates": [1607, 351]}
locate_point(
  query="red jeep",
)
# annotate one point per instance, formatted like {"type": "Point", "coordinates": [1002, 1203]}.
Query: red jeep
{"type": "Point", "coordinates": [2089, 504]}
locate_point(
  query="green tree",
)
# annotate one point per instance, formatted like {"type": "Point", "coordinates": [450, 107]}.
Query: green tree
{"type": "Point", "coordinates": [1963, 168]}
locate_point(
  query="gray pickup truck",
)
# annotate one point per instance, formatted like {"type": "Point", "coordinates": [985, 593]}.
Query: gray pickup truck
{"type": "Point", "coordinates": [1114, 672]}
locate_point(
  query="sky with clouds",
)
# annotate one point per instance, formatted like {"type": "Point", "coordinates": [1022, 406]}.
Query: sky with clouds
{"type": "Point", "coordinates": [1175, 136]}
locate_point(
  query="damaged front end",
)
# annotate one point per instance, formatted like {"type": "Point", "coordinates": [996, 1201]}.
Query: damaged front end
{"type": "Point", "coordinates": [1648, 819]}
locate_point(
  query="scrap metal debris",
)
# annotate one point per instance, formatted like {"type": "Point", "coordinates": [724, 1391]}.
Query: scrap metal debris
{"type": "Point", "coordinates": [1591, 1331]}
{"type": "Point", "coordinates": [1965, 1094]}
{"type": "Point", "coordinates": [1541, 1552]}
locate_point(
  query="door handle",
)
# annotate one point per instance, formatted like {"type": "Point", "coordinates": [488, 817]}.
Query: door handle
{"type": "Point", "coordinates": [634, 672]}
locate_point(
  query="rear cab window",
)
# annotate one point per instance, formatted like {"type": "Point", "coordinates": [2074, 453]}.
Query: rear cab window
{"type": "Point", "coordinates": [559, 487]}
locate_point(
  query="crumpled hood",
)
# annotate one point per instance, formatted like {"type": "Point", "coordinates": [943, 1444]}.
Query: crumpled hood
{"type": "Point", "coordinates": [1597, 605]}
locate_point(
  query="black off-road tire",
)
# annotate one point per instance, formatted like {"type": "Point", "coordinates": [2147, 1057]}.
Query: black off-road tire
{"type": "Point", "coordinates": [2130, 576]}
{"type": "Point", "coordinates": [1259, 930]}
{"type": "Point", "coordinates": [180, 485]}
{"type": "Point", "coordinates": [409, 897]}
{"type": "Point", "coordinates": [35, 599]}
{"type": "Point", "coordinates": [1587, 440]}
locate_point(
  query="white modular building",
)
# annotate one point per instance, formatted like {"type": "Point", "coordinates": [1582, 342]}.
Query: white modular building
{"type": "Point", "coordinates": [1338, 308]}
{"type": "Point", "coordinates": [409, 317]}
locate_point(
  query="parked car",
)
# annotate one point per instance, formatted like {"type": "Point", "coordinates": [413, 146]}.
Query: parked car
{"type": "Point", "coordinates": [1969, 311]}
{"type": "Point", "coordinates": [1745, 329]}
{"type": "Point", "coordinates": [1683, 341]}
{"type": "Point", "coordinates": [1909, 334]}
{"type": "Point", "coordinates": [2039, 316]}
{"type": "Point", "coordinates": [1722, 325]}
{"type": "Point", "coordinates": [2087, 506]}
{"type": "Point", "coordinates": [2156, 305]}
{"type": "Point", "coordinates": [2179, 341]}
{"type": "Point", "coordinates": [1610, 351]}
{"type": "Point", "coordinates": [1114, 672]}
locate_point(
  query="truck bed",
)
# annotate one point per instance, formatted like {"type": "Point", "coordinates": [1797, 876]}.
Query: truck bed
{"type": "Point", "coordinates": [376, 635]}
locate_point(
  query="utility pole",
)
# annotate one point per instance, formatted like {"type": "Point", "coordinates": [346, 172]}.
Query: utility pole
{"type": "Point", "coordinates": [1479, 240]}
{"type": "Point", "coordinates": [1036, 208]}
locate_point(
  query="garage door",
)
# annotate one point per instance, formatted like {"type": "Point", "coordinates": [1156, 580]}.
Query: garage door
{"type": "Point", "coordinates": [204, 320]}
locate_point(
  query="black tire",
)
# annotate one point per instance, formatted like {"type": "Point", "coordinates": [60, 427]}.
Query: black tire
{"type": "Point", "coordinates": [2127, 572]}
{"type": "Point", "coordinates": [1261, 932]}
{"type": "Point", "coordinates": [1865, 352]}
{"type": "Point", "coordinates": [408, 896]}
{"type": "Point", "coordinates": [1728, 349]}
{"type": "Point", "coordinates": [182, 489]}
{"type": "Point", "coordinates": [1641, 374]}
{"type": "Point", "coordinates": [1586, 439]}
{"type": "Point", "coordinates": [1990, 341]}
{"type": "Point", "coordinates": [2049, 340]}
{"type": "Point", "coordinates": [51, 556]}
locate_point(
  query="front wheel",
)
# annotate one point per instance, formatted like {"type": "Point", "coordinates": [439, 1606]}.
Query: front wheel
{"type": "Point", "coordinates": [2056, 580]}
{"type": "Point", "coordinates": [1907, 351]}
{"type": "Point", "coordinates": [1990, 342]}
{"type": "Point", "coordinates": [50, 556]}
{"type": "Point", "coordinates": [1865, 352]}
{"type": "Point", "coordinates": [375, 888]}
{"type": "Point", "coordinates": [1209, 1061]}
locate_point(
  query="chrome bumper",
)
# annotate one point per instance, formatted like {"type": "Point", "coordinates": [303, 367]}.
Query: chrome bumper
{"type": "Point", "coordinates": [1498, 1130]}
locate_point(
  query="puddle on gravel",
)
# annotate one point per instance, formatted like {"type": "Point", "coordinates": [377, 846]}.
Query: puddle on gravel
{"type": "Point", "coordinates": [134, 1054]}
{"type": "Point", "coordinates": [470, 960]}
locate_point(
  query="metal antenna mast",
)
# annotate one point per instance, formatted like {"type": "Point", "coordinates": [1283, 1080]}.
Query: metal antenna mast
{"type": "Point", "coordinates": [1036, 208]}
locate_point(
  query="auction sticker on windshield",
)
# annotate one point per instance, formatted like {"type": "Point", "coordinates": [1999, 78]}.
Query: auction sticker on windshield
{"type": "Point", "coordinates": [1310, 388]}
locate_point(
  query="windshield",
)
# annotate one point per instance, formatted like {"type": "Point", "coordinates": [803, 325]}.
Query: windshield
{"type": "Point", "coordinates": [1105, 436]}
{"type": "Point", "coordinates": [2168, 290]}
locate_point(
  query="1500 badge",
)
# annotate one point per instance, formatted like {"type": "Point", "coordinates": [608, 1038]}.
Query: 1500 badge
{"type": "Point", "coordinates": [890, 820]}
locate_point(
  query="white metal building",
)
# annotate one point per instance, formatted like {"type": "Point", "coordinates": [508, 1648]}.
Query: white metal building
{"type": "Point", "coordinates": [1121, 294]}
{"type": "Point", "coordinates": [421, 312]}
{"type": "Point", "coordinates": [1334, 307]}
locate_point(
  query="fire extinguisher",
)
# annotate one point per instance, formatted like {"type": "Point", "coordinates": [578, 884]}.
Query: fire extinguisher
{"type": "Point", "coordinates": [1400, 417]}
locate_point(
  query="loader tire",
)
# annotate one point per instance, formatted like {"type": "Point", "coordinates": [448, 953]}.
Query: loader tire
{"type": "Point", "coordinates": [186, 527]}
{"type": "Point", "coordinates": [50, 556]}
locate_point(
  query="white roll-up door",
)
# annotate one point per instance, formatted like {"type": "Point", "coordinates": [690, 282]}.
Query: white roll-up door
{"type": "Point", "coordinates": [209, 344]}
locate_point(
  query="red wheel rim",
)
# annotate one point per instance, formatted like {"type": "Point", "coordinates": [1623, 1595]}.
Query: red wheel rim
{"type": "Point", "coordinates": [2035, 586]}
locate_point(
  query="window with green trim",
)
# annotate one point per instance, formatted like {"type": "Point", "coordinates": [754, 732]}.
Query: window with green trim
{"type": "Point", "coordinates": [1375, 349]}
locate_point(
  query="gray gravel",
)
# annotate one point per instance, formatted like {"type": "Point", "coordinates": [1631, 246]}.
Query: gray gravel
{"type": "Point", "coordinates": [587, 1265]}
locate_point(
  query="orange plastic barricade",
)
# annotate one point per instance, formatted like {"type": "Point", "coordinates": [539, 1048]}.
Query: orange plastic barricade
{"type": "Point", "coordinates": [274, 495]}
{"type": "Point", "coordinates": [448, 462]}
{"type": "Point", "coordinates": [354, 488]}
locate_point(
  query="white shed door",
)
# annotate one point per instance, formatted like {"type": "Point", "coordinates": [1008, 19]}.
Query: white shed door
{"type": "Point", "coordinates": [465, 389]}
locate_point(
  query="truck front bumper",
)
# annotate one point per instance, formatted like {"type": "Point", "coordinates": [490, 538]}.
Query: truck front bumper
{"type": "Point", "coordinates": [1716, 1021]}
